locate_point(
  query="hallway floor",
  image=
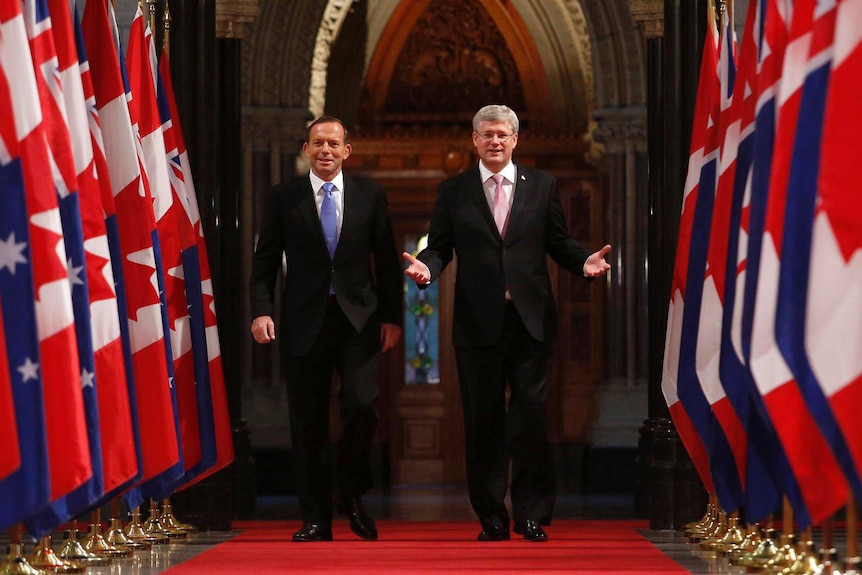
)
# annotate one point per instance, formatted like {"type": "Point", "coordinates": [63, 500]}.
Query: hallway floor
{"type": "Point", "coordinates": [415, 504]}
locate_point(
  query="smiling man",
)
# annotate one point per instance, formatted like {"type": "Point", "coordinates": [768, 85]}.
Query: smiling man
{"type": "Point", "coordinates": [341, 307]}
{"type": "Point", "coordinates": [501, 220]}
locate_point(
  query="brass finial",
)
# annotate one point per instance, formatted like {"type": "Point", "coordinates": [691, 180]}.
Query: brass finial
{"type": "Point", "coordinates": [167, 20]}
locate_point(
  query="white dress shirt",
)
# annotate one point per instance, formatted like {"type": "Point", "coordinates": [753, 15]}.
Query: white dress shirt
{"type": "Point", "coordinates": [337, 195]}
{"type": "Point", "coordinates": [509, 175]}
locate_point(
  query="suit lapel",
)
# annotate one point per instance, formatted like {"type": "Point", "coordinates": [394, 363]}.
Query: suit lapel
{"type": "Point", "coordinates": [481, 200]}
{"type": "Point", "coordinates": [523, 190]}
{"type": "Point", "coordinates": [307, 208]}
{"type": "Point", "coordinates": [348, 221]}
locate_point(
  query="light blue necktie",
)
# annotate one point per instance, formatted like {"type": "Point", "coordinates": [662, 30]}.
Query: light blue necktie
{"type": "Point", "coordinates": [328, 218]}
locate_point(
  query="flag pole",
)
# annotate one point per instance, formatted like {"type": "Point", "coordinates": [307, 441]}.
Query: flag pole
{"type": "Point", "coordinates": [731, 12]}
{"type": "Point", "coordinates": [786, 521]}
{"type": "Point", "coordinates": [151, 14]}
{"type": "Point", "coordinates": [16, 561]}
{"type": "Point", "coordinates": [852, 532]}
{"type": "Point", "coordinates": [167, 19]}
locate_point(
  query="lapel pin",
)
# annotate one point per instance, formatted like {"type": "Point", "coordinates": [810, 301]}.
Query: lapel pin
{"type": "Point", "coordinates": [523, 177]}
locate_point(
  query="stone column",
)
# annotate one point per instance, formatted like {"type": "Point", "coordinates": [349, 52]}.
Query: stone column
{"type": "Point", "coordinates": [271, 142]}
{"type": "Point", "coordinates": [668, 490]}
{"type": "Point", "coordinates": [622, 398]}
{"type": "Point", "coordinates": [205, 69]}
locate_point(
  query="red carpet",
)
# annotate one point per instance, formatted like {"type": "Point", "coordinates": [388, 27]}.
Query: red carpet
{"type": "Point", "coordinates": [574, 546]}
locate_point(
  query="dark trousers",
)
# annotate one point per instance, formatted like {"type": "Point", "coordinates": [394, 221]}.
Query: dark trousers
{"type": "Point", "coordinates": [355, 356]}
{"type": "Point", "coordinates": [495, 433]}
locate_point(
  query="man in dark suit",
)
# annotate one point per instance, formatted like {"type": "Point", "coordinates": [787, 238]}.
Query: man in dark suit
{"type": "Point", "coordinates": [501, 220]}
{"type": "Point", "coordinates": [341, 307]}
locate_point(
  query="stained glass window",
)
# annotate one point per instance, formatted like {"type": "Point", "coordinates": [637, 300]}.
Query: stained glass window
{"type": "Point", "coordinates": [421, 326]}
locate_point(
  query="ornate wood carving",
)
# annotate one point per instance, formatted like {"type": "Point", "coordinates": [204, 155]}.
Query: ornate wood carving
{"type": "Point", "coordinates": [453, 61]}
{"type": "Point", "coordinates": [650, 14]}
{"type": "Point", "coordinates": [622, 129]}
{"type": "Point", "coordinates": [264, 127]}
{"type": "Point", "coordinates": [232, 17]}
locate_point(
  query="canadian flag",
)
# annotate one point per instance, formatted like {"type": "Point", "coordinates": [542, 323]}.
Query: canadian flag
{"type": "Point", "coordinates": [183, 183]}
{"type": "Point", "coordinates": [68, 445]}
{"type": "Point", "coordinates": [161, 453]}
{"type": "Point", "coordinates": [119, 460]}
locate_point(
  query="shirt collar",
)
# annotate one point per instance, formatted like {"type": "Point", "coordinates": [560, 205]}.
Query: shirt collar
{"type": "Point", "coordinates": [507, 172]}
{"type": "Point", "coordinates": [317, 183]}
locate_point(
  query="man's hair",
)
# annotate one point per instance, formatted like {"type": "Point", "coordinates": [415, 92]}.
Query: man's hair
{"type": "Point", "coordinates": [327, 120]}
{"type": "Point", "coordinates": [496, 113]}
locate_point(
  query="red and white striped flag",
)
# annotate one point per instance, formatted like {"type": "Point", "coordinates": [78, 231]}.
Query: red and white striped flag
{"type": "Point", "coordinates": [52, 90]}
{"type": "Point", "coordinates": [10, 454]}
{"type": "Point", "coordinates": [102, 311]}
{"type": "Point", "coordinates": [119, 460]}
{"type": "Point", "coordinates": [69, 452]}
{"type": "Point", "coordinates": [25, 483]}
{"type": "Point", "coordinates": [712, 302]}
{"type": "Point", "coordinates": [820, 478]}
{"type": "Point", "coordinates": [145, 113]}
{"type": "Point", "coordinates": [162, 462]}
{"type": "Point", "coordinates": [184, 185]}
{"type": "Point", "coordinates": [762, 475]}
{"type": "Point", "coordinates": [833, 319]}
{"type": "Point", "coordinates": [670, 370]}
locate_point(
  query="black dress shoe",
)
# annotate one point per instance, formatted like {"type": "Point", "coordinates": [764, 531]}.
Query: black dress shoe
{"type": "Point", "coordinates": [531, 530]}
{"type": "Point", "coordinates": [360, 522]}
{"type": "Point", "coordinates": [494, 534]}
{"type": "Point", "coordinates": [313, 532]}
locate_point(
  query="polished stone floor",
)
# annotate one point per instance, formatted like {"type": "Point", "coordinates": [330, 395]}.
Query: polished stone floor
{"type": "Point", "coordinates": [418, 504]}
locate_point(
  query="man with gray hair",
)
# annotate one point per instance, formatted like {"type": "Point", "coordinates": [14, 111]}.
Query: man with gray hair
{"type": "Point", "coordinates": [501, 220]}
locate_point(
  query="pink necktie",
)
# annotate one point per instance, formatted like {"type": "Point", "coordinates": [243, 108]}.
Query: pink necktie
{"type": "Point", "coordinates": [501, 205]}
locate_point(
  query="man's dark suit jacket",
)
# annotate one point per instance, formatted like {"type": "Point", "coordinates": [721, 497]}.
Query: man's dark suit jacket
{"type": "Point", "coordinates": [365, 271]}
{"type": "Point", "coordinates": [487, 264]}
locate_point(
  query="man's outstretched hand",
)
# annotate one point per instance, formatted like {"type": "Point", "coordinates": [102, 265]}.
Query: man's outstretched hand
{"type": "Point", "coordinates": [596, 265]}
{"type": "Point", "coordinates": [416, 270]}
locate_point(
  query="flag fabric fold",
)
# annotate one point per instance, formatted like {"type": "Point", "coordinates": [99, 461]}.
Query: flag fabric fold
{"type": "Point", "coordinates": [671, 377]}
{"type": "Point", "coordinates": [691, 261]}
{"type": "Point", "coordinates": [68, 447]}
{"type": "Point", "coordinates": [710, 320]}
{"type": "Point", "coordinates": [160, 447]}
{"type": "Point", "coordinates": [834, 298]}
{"type": "Point", "coordinates": [761, 356]}
{"type": "Point", "coordinates": [25, 484]}
{"type": "Point", "coordinates": [52, 85]}
{"type": "Point", "coordinates": [108, 302]}
{"type": "Point", "coordinates": [112, 383]}
{"type": "Point", "coordinates": [767, 474]}
{"type": "Point", "coordinates": [181, 177]}
{"type": "Point", "coordinates": [821, 480]}
{"type": "Point", "coordinates": [145, 112]}
{"type": "Point", "coordinates": [813, 246]}
{"type": "Point", "coordinates": [119, 465]}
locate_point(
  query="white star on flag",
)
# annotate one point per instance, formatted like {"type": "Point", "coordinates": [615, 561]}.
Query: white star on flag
{"type": "Point", "coordinates": [29, 370]}
{"type": "Point", "coordinates": [11, 253]}
{"type": "Point", "coordinates": [87, 378]}
{"type": "Point", "coordinates": [74, 273]}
